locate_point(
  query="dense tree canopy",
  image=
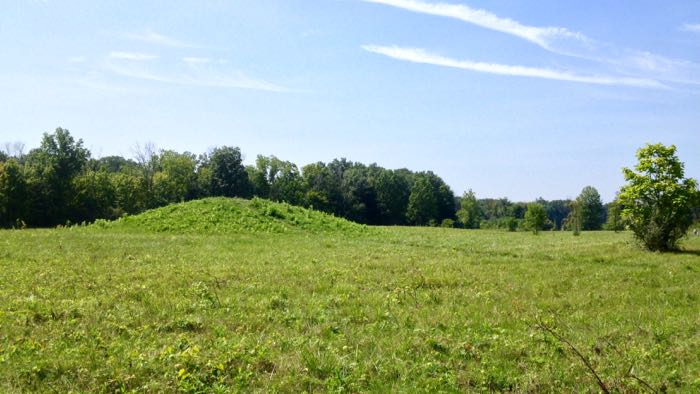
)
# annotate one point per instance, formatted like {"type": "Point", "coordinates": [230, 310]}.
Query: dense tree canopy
{"type": "Point", "coordinates": [228, 175]}
{"type": "Point", "coordinates": [277, 179]}
{"type": "Point", "coordinates": [13, 193]}
{"type": "Point", "coordinates": [359, 195]}
{"type": "Point", "coordinates": [322, 188]}
{"type": "Point", "coordinates": [614, 214]}
{"type": "Point", "coordinates": [60, 183]}
{"type": "Point", "coordinates": [422, 203]}
{"type": "Point", "coordinates": [50, 173]}
{"type": "Point", "coordinates": [175, 178]}
{"type": "Point", "coordinates": [557, 211]}
{"type": "Point", "coordinates": [392, 191]}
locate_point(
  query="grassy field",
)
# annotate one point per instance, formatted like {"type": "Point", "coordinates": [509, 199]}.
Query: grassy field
{"type": "Point", "coordinates": [122, 307]}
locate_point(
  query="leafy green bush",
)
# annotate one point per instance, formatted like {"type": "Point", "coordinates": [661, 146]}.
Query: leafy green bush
{"type": "Point", "coordinates": [448, 223]}
{"type": "Point", "coordinates": [509, 223]}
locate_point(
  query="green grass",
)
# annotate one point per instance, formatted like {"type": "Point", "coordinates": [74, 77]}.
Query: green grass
{"type": "Point", "coordinates": [383, 310]}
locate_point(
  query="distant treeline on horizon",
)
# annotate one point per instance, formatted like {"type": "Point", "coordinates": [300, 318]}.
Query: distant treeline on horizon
{"type": "Point", "coordinates": [59, 183]}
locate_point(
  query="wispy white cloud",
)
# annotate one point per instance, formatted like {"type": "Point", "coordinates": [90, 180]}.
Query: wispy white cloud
{"type": "Point", "coordinates": [152, 37]}
{"type": "Point", "coordinates": [650, 65]}
{"type": "Point", "coordinates": [563, 41]}
{"type": "Point", "coordinates": [542, 36]}
{"type": "Point", "coordinates": [193, 61]}
{"type": "Point", "coordinates": [191, 76]}
{"type": "Point", "coordinates": [131, 56]}
{"type": "Point", "coordinates": [421, 56]}
{"type": "Point", "coordinates": [691, 27]}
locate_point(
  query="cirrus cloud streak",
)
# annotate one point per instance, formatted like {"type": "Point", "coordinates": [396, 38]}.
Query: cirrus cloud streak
{"type": "Point", "coordinates": [542, 36]}
{"type": "Point", "coordinates": [417, 55]}
{"type": "Point", "coordinates": [562, 41]}
{"type": "Point", "coordinates": [136, 56]}
{"type": "Point", "coordinates": [691, 27]}
{"type": "Point", "coordinates": [197, 73]}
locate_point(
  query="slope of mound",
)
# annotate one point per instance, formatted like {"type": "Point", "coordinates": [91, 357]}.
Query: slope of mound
{"type": "Point", "coordinates": [220, 215]}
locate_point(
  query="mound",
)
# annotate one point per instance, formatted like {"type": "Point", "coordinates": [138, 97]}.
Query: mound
{"type": "Point", "coordinates": [220, 215]}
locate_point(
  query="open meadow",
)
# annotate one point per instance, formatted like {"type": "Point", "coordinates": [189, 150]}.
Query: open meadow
{"type": "Point", "coordinates": [350, 196]}
{"type": "Point", "coordinates": [342, 307]}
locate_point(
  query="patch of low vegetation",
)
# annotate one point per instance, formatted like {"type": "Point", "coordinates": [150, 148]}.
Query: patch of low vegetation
{"type": "Point", "coordinates": [393, 310]}
{"type": "Point", "coordinates": [220, 215]}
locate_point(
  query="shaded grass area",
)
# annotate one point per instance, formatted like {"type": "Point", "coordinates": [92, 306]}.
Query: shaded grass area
{"type": "Point", "coordinates": [390, 309]}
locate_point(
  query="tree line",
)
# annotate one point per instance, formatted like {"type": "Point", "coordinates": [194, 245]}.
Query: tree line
{"type": "Point", "coordinates": [61, 183]}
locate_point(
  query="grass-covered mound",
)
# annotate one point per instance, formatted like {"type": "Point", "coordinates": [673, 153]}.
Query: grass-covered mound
{"type": "Point", "coordinates": [222, 215]}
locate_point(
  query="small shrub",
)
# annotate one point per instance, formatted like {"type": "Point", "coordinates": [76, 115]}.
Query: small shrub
{"type": "Point", "coordinates": [448, 223]}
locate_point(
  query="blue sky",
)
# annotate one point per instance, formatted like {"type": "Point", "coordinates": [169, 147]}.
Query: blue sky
{"type": "Point", "coordinates": [508, 98]}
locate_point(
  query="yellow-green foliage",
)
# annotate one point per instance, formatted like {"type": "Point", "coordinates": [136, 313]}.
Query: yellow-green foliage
{"type": "Point", "coordinates": [222, 215]}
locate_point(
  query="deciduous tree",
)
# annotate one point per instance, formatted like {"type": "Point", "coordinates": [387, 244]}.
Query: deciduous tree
{"type": "Point", "coordinates": [422, 203]}
{"type": "Point", "coordinates": [658, 199]}
{"type": "Point", "coordinates": [176, 178]}
{"type": "Point", "coordinates": [469, 213]}
{"type": "Point", "coordinates": [13, 194]}
{"type": "Point", "coordinates": [51, 170]}
{"type": "Point", "coordinates": [393, 190]}
{"type": "Point", "coordinates": [591, 206]}
{"type": "Point", "coordinates": [535, 217]}
{"type": "Point", "coordinates": [228, 176]}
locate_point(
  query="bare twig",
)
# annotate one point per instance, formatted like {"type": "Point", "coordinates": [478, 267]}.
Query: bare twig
{"type": "Point", "coordinates": [640, 380]}
{"type": "Point", "coordinates": [629, 372]}
{"type": "Point", "coordinates": [543, 326]}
